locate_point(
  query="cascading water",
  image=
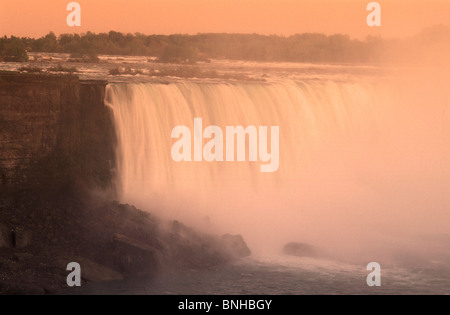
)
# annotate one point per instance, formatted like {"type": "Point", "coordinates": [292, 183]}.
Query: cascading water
{"type": "Point", "coordinates": [345, 156]}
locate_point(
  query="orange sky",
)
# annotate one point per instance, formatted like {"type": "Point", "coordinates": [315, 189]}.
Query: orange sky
{"type": "Point", "coordinates": [285, 17]}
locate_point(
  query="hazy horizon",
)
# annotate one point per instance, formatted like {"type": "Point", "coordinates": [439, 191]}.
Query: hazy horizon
{"type": "Point", "coordinates": [81, 33]}
{"type": "Point", "coordinates": [266, 17]}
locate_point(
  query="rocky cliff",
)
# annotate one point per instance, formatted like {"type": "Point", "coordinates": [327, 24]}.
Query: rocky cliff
{"type": "Point", "coordinates": [55, 131]}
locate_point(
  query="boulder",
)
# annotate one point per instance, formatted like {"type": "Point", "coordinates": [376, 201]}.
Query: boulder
{"type": "Point", "coordinates": [90, 270]}
{"type": "Point", "coordinates": [235, 246]}
{"type": "Point", "coordinates": [5, 237]}
{"type": "Point", "coordinates": [22, 256]}
{"type": "Point", "coordinates": [133, 257]}
{"type": "Point", "coordinates": [22, 238]}
{"type": "Point", "coordinates": [93, 272]}
{"type": "Point", "coordinates": [299, 250]}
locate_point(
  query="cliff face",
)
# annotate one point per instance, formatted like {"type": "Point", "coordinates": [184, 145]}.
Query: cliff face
{"type": "Point", "coordinates": [55, 131]}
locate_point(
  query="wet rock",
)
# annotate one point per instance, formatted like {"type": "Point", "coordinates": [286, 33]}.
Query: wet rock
{"type": "Point", "coordinates": [5, 237]}
{"type": "Point", "coordinates": [20, 289]}
{"type": "Point", "coordinates": [90, 270]}
{"type": "Point", "coordinates": [9, 265]}
{"type": "Point", "coordinates": [299, 250]}
{"type": "Point", "coordinates": [22, 256]}
{"type": "Point", "coordinates": [93, 272]}
{"type": "Point", "coordinates": [14, 221]}
{"type": "Point", "coordinates": [235, 246]}
{"type": "Point", "coordinates": [134, 257]}
{"type": "Point", "coordinates": [22, 238]}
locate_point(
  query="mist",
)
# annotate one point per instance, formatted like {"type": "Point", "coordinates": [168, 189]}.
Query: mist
{"type": "Point", "coordinates": [363, 174]}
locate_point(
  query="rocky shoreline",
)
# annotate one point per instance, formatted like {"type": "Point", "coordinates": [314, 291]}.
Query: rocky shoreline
{"type": "Point", "coordinates": [110, 241]}
{"type": "Point", "coordinates": [57, 195]}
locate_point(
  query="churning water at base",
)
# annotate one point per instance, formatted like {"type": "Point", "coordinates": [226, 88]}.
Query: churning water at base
{"type": "Point", "coordinates": [362, 177]}
{"type": "Point", "coordinates": [280, 275]}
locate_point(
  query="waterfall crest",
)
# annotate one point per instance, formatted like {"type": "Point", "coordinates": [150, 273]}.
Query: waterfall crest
{"type": "Point", "coordinates": [346, 154]}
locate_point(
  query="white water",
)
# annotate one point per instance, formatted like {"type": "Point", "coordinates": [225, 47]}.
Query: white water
{"type": "Point", "coordinates": [362, 171]}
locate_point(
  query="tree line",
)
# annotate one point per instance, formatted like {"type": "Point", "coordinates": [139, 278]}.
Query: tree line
{"type": "Point", "coordinates": [307, 47]}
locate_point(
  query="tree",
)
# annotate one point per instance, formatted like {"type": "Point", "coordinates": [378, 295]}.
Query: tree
{"type": "Point", "coordinates": [13, 50]}
{"type": "Point", "coordinates": [50, 44]}
{"type": "Point", "coordinates": [178, 54]}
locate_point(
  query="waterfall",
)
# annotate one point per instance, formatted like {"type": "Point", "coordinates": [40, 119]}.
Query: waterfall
{"type": "Point", "coordinates": [342, 150]}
